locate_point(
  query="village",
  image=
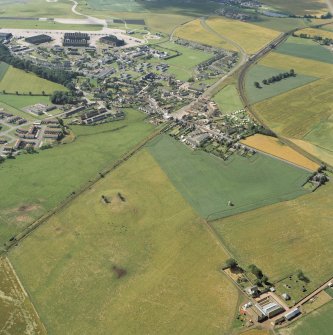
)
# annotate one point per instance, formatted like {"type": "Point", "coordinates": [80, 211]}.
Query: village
{"type": "Point", "coordinates": [111, 72]}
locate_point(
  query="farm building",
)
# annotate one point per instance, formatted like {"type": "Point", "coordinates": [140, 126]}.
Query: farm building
{"type": "Point", "coordinates": [292, 314]}
{"type": "Point", "coordinates": [39, 39]}
{"type": "Point", "coordinates": [256, 314]}
{"type": "Point", "coordinates": [5, 37]}
{"type": "Point", "coordinates": [252, 291]}
{"type": "Point", "coordinates": [76, 39]}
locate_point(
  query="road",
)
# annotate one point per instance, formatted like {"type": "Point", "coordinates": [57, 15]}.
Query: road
{"type": "Point", "coordinates": [241, 88]}
{"type": "Point", "coordinates": [243, 59]}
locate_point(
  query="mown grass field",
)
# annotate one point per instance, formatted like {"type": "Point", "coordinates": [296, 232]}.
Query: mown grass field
{"type": "Point", "coordinates": [275, 147]}
{"type": "Point", "coordinates": [36, 9]}
{"type": "Point", "coordinates": [284, 237]}
{"type": "Point", "coordinates": [193, 31]}
{"type": "Point", "coordinates": [306, 49]}
{"type": "Point", "coordinates": [38, 182]}
{"type": "Point", "coordinates": [299, 7]}
{"type": "Point", "coordinates": [300, 65]}
{"type": "Point", "coordinates": [46, 25]}
{"type": "Point", "coordinates": [145, 265]}
{"type": "Point", "coordinates": [228, 99]}
{"type": "Point", "coordinates": [17, 315]}
{"type": "Point", "coordinates": [319, 322]}
{"type": "Point", "coordinates": [251, 37]}
{"type": "Point", "coordinates": [258, 73]}
{"type": "Point", "coordinates": [23, 82]}
{"type": "Point", "coordinates": [208, 183]}
{"type": "Point", "coordinates": [291, 115]}
{"type": "Point", "coordinates": [182, 66]}
{"type": "Point", "coordinates": [282, 24]}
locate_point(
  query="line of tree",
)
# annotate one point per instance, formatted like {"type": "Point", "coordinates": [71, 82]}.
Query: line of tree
{"type": "Point", "coordinates": [316, 38]}
{"type": "Point", "coordinates": [58, 76]}
{"type": "Point", "coordinates": [274, 79]}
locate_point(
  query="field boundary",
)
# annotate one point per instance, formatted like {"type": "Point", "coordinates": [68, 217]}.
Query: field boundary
{"type": "Point", "coordinates": [44, 218]}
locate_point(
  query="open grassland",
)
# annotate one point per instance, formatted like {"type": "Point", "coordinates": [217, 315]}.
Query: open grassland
{"type": "Point", "coordinates": [258, 73]}
{"type": "Point", "coordinates": [182, 66]}
{"type": "Point", "coordinates": [145, 255]}
{"type": "Point", "coordinates": [256, 332]}
{"type": "Point", "coordinates": [3, 69]}
{"type": "Point", "coordinates": [38, 182]}
{"type": "Point", "coordinates": [319, 322]}
{"type": "Point", "coordinates": [300, 65]}
{"type": "Point", "coordinates": [17, 315]}
{"type": "Point", "coordinates": [36, 9]}
{"type": "Point", "coordinates": [23, 82]}
{"type": "Point", "coordinates": [306, 49]}
{"type": "Point", "coordinates": [293, 115]}
{"type": "Point", "coordinates": [315, 32]}
{"type": "Point", "coordinates": [299, 7]}
{"type": "Point", "coordinates": [46, 25]}
{"type": "Point", "coordinates": [228, 99]}
{"type": "Point", "coordinates": [194, 31]}
{"type": "Point", "coordinates": [209, 183]}
{"type": "Point", "coordinates": [250, 37]}
{"type": "Point", "coordinates": [275, 147]}
{"type": "Point", "coordinates": [284, 237]}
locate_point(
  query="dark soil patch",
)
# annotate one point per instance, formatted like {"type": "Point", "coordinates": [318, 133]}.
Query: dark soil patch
{"type": "Point", "coordinates": [119, 272]}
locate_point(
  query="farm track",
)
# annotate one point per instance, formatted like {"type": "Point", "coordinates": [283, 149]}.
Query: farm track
{"type": "Point", "coordinates": [242, 92]}
{"type": "Point", "coordinates": [43, 219]}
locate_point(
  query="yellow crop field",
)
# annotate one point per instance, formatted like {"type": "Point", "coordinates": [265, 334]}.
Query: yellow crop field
{"type": "Point", "coordinates": [321, 153]}
{"type": "Point", "coordinates": [315, 32]}
{"type": "Point", "coordinates": [193, 31]}
{"type": "Point", "coordinates": [256, 332]}
{"type": "Point", "coordinates": [275, 147]}
{"type": "Point", "coordinates": [249, 36]}
{"type": "Point", "coordinates": [300, 65]}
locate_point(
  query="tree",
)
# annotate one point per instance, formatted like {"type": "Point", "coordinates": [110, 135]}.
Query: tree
{"type": "Point", "coordinates": [256, 271]}
{"type": "Point", "coordinates": [301, 276]}
{"type": "Point", "coordinates": [231, 263]}
{"type": "Point", "coordinates": [3, 91]}
{"type": "Point", "coordinates": [43, 92]}
{"type": "Point", "coordinates": [257, 85]}
{"type": "Point", "coordinates": [292, 72]}
{"type": "Point", "coordinates": [265, 82]}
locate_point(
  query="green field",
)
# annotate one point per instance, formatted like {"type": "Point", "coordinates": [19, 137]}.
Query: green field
{"type": "Point", "coordinates": [36, 9]}
{"type": "Point", "coordinates": [285, 237]}
{"type": "Point", "coordinates": [258, 73]}
{"type": "Point", "coordinates": [310, 50]}
{"type": "Point", "coordinates": [182, 66]}
{"type": "Point", "coordinates": [228, 99]}
{"type": "Point", "coordinates": [23, 82]}
{"type": "Point", "coordinates": [208, 183]}
{"type": "Point", "coordinates": [3, 69]}
{"type": "Point", "coordinates": [319, 322]}
{"type": "Point", "coordinates": [281, 24]}
{"type": "Point", "coordinates": [145, 265]}
{"type": "Point", "coordinates": [51, 175]}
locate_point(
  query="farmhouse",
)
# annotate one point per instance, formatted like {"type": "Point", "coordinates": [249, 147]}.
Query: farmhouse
{"type": "Point", "coordinates": [76, 39]}
{"type": "Point", "coordinates": [39, 39]}
{"type": "Point", "coordinates": [252, 291]}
